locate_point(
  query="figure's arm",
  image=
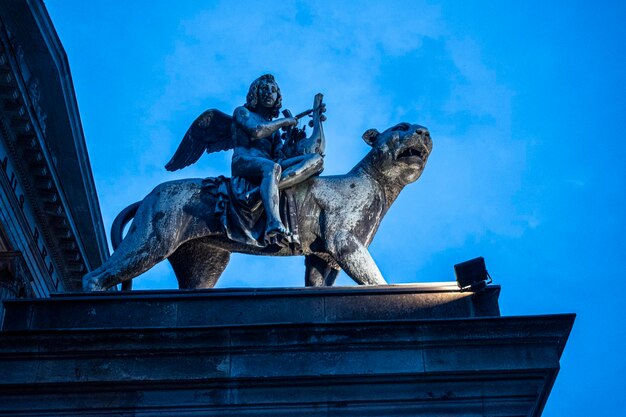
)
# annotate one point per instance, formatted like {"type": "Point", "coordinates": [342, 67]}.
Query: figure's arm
{"type": "Point", "coordinates": [258, 129]}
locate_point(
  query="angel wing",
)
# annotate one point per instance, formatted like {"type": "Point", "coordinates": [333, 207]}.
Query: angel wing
{"type": "Point", "coordinates": [210, 132]}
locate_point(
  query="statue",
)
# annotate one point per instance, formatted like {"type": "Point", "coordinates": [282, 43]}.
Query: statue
{"type": "Point", "coordinates": [259, 157]}
{"type": "Point", "coordinates": [275, 203]}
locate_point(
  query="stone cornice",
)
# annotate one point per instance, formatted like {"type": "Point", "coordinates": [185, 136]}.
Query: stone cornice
{"type": "Point", "coordinates": [60, 61]}
{"type": "Point", "coordinates": [22, 123]}
{"type": "Point", "coordinates": [384, 350]}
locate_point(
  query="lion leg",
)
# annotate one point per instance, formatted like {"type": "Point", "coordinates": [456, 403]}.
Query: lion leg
{"type": "Point", "coordinates": [198, 265]}
{"type": "Point", "coordinates": [143, 247]}
{"type": "Point", "coordinates": [331, 277]}
{"type": "Point", "coordinates": [354, 258]}
{"type": "Point", "coordinates": [121, 266]}
{"type": "Point", "coordinates": [318, 273]}
{"type": "Point", "coordinates": [132, 257]}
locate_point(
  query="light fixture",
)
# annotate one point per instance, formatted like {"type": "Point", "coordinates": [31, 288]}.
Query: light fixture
{"type": "Point", "coordinates": [472, 275]}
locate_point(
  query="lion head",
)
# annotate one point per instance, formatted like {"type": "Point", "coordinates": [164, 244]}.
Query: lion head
{"type": "Point", "coordinates": [400, 153]}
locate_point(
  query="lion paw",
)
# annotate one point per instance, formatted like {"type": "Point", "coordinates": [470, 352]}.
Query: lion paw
{"type": "Point", "coordinates": [91, 284]}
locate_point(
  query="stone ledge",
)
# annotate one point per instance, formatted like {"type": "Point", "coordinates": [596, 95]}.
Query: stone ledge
{"type": "Point", "coordinates": [499, 366]}
{"type": "Point", "coordinates": [355, 351]}
{"type": "Point", "coordinates": [225, 307]}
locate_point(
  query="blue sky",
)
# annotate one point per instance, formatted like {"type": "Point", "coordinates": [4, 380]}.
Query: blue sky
{"type": "Point", "coordinates": [524, 100]}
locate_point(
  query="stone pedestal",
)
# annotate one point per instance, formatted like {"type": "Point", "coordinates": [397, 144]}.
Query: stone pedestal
{"type": "Point", "coordinates": [367, 351]}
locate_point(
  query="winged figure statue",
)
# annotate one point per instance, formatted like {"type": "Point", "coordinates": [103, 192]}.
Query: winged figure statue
{"type": "Point", "coordinates": [264, 160]}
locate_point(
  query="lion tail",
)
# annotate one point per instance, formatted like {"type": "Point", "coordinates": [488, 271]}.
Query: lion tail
{"type": "Point", "coordinates": [117, 232]}
{"type": "Point", "coordinates": [122, 219]}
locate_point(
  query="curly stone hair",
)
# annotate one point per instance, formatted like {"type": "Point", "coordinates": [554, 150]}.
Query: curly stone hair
{"type": "Point", "coordinates": [253, 94]}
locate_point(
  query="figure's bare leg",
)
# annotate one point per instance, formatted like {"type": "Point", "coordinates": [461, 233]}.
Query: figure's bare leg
{"type": "Point", "coordinates": [299, 168]}
{"type": "Point", "coordinates": [268, 173]}
{"type": "Point", "coordinates": [198, 265]}
{"type": "Point", "coordinates": [354, 258]}
{"type": "Point", "coordinates": [271, 202]}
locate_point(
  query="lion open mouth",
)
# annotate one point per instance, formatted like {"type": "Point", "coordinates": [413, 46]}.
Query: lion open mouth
{"type": "Point", "coordinates": [411, 154]}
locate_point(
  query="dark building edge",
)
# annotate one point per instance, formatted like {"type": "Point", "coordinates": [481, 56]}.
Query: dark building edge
{"type": "Point", "coordinates": [51, 229]}
{"type": "Point", "coordinates": [90, 227]}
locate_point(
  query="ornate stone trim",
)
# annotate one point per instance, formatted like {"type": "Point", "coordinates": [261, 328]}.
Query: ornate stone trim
{"type": "Point", "coordinates": [22, 126]}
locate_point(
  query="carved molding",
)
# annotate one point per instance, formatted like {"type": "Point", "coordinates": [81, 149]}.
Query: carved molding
{"type": "Point", "coordinates": [32, 84]}
{"type": "Point", "coordinates": [22, 128]}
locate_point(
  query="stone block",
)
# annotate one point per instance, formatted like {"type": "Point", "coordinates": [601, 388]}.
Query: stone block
{"type": "Point", "coordinates": [384, 351]}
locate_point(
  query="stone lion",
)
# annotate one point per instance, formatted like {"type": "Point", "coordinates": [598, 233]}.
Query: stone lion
{"type": "Point", "coordinates": [337, 219]}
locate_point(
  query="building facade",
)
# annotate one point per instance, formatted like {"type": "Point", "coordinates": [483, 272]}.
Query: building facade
{"type": "Point", "coordinates": [51, 230]}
